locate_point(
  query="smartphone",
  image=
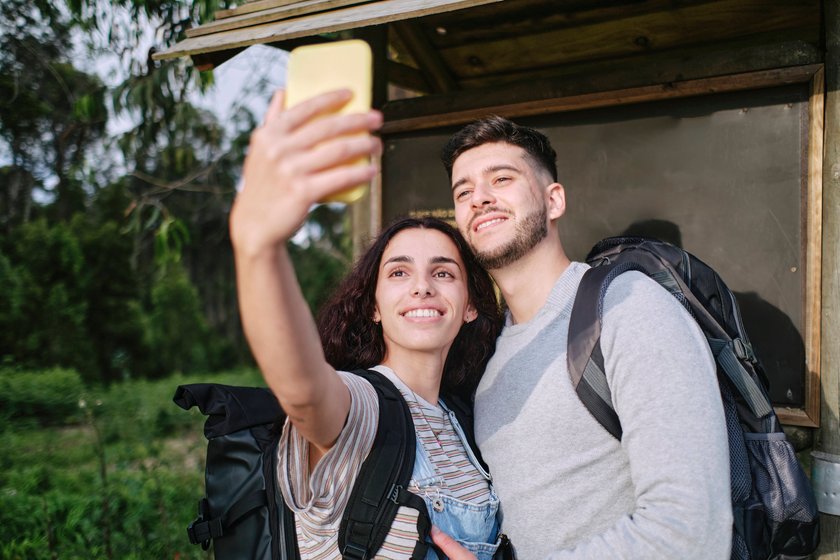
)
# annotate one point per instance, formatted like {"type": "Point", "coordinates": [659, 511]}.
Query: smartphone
{"type": "Point", "coordinates": [315, 69]}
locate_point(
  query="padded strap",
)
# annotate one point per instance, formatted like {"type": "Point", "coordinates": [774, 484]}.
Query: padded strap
{"type": "Point", "coordinates": [725, 352]}
{"type": "Point", "coordinates": [584, 357]}
{"type": "Point", "coordinates": [370, 510]}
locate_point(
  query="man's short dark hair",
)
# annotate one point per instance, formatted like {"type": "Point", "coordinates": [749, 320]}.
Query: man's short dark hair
{"type": "Point", "coordinates": [499, 129]}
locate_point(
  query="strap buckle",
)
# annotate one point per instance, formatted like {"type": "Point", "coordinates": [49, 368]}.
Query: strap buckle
{"type": "Point", "coordinates": [354, 551]}
{"type": "Point", "coordinates": [394, 493]}
{"type": "Point", "coordinates": [202, 530]}
{"type": "Point", "coordinates": [743, 350]}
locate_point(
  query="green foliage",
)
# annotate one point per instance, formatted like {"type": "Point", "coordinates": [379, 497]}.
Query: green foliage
{"type": "Point", "coordinates": [115, 258]}
{"type": "Point", "coordinates": [179, 334]}
{"type": "Point", "coordinates": [122, 482]}
{"type": "Point", "coordinates": [115, 318]}
{"type": "Point", "coordinates": [50, 397]}
{"type": "Point", "coordinates": [48, 319]}
{"type": "Point", "coordinates": [318, 273]}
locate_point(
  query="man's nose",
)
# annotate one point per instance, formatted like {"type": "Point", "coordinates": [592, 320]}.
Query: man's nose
{"type": "Point", "coordinates": [482, 195]}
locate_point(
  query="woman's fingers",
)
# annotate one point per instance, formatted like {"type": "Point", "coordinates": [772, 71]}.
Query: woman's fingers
{"type": "Point", "coordinates": [325, 128]}
{"type": "Point", "coordinates": [336, 152]}
{"type": "Point", "coordinates": [332, 181]}
{"type": "Point", "coordinates": [275, 107]}
{"type": "Point", "coordinates": [306, 111]}
{"type": "Point", "coordinates": [450, 546]}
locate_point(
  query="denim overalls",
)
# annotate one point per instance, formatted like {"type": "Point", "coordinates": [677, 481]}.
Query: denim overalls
{"type": "Point", "coordinates": [474, 526]}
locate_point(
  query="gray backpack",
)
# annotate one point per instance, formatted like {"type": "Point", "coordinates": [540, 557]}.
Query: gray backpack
{"type": "Point", "coordinates": [775, 513]}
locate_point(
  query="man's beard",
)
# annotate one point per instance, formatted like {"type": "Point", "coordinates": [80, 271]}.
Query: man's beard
{"type": "Point", "coordinates": [529, 232]}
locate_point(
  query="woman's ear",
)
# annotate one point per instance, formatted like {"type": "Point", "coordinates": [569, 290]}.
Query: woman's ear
{"type": "Point", "coordinates": [377, 318]}
{"type": "Point", "coordinates": [470, 314]}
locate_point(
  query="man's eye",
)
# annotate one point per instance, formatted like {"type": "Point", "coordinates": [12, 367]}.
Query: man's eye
{"type": "Point", "coordinates": [461, 195]}
{"type": "Point", "coordinates": [501, 180]}
{"type": "Point", "coordinates": [398, 273]}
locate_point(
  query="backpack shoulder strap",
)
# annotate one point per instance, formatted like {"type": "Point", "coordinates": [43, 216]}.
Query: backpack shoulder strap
{"type": "Point", "coordinates": [583, 353]}
{"type": "Point", "coordinates": [380, 489]}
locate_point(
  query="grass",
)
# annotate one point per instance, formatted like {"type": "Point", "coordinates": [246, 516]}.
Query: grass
{"type": "Point", "coordinates": [120, 479]}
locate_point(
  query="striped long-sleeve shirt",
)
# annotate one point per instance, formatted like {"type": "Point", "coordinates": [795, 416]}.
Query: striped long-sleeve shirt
{"type": "Point", "coordinates": [318, 500]}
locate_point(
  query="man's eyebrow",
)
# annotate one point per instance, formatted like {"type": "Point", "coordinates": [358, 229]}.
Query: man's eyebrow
{"type": "Point", "coordinates": [487, 171]}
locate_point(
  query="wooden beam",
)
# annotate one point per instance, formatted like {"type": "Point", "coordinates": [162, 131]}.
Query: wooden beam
{"type": "Point", "coordinates": [209, 61]}
{"type": "Point", "coordinates": [523, 17]}
{"type": "Point", "coordinates": [374, 13]}
{"type": "Point", "coordinates": [267, 16]}
{"type": "Point", "coordinates": [659, 67]}
{"type": "Point", "coordinates": [407, 77]}
{"type": "Point", "coordinates": [813, 247]}
{"type": "Point", "coordinates": [674, 90]}
{"type": "Point", "coordinates": [250, 7]}
{"type": "Point", "coordinates": [829, 434]}
{"type": "Point", "coordinates": [612, 75]}
{"type": "Point", "coordinates": [425, 55]}
{"type": "Point", "coordinates": [669, 28]}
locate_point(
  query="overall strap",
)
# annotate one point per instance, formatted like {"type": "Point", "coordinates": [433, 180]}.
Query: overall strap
{"type": "Point", "coordinates": [381, 487]}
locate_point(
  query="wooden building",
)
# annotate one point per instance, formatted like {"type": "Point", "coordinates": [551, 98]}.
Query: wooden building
{"type": "Point", "coordinates": [712, 123]}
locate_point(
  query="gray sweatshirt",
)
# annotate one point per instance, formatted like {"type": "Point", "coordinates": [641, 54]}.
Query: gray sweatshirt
{"type": "Point", "coordinates": [568, 488]}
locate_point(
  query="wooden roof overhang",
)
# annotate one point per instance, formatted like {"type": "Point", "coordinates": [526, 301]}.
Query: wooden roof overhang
{"type": "Point", "coordinates": [446, 59]}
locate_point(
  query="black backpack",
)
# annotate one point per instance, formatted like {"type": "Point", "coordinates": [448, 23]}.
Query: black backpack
{"type": "Point", "coordinates": [775, 513]}
{"type": "Point", "coordinates": [243, 512]}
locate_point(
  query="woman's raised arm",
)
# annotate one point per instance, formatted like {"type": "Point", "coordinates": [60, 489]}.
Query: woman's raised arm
{"type": "Point", "coordinates": [297, 157]}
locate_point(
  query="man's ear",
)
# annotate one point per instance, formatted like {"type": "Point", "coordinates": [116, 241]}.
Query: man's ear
{"type": "Point", "coordinates": [556, 200]}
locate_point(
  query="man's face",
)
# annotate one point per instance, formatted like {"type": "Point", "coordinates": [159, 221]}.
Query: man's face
{"type": "Point", "coordinates": [500, 204]}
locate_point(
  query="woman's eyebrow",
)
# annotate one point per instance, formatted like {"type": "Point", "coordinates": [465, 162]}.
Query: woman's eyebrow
{"type": "Point", "coordinates": [444, 260]}
{"type": "Point", "coordinates": [399, 259]}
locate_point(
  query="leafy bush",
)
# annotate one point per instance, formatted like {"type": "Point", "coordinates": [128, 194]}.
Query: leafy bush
{"type": "Point", "coordinates": [49, 397]}
{"type": "Point", "coordinates": [121, 483]}
{"type": "Point", "coordinates": [47, 318]}
{"type": "Point", "coordinates": [179, 333]}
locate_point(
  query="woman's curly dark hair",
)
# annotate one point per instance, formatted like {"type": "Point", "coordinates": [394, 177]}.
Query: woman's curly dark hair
{"type": "Point", "coordinates": [351, 340]}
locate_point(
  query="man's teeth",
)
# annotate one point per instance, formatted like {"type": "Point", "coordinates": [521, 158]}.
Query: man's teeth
{"type": "Point", "coordinates": [489, 223]}
{"type": "Point", "coordinates": [423, 313]}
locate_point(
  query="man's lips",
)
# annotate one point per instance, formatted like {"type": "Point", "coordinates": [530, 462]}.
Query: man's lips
{"type": "Point", "coordinates": [488, 220]}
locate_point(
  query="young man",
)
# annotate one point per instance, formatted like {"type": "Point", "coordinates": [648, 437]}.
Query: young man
{"type": "Point", "coordinates": [569, 490]}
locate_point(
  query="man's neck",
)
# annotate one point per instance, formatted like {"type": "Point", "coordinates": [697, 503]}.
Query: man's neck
{"type": "Point", "coordinates": [527, 283]}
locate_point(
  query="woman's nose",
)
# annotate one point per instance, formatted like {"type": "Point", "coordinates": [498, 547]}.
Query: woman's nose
{"type": "Point", "coordinates": [422, 288]}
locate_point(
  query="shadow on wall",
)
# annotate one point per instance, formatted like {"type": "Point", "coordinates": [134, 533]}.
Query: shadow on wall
{"type": "Point", "coordinates": [775, 339]}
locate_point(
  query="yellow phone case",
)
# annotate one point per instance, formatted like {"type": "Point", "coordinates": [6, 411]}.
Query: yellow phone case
{"type": "Point", "coordinates": [317, 69]}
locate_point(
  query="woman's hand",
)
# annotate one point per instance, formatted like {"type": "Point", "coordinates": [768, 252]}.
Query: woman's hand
{"type": "Point", "coordinates": [450, 546]}
{"type": "Point", "coordinates": [296, 158]}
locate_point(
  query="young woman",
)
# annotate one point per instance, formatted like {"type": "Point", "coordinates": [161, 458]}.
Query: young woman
{"type": "Point", "coordinates": [416, 308]}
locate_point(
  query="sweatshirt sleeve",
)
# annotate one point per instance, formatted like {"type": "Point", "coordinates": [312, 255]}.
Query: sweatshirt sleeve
{"type": "Point", "coordinates": [664, 388]}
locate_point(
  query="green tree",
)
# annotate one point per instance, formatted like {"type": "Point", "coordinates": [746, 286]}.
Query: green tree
{"type": "Point", "coordinates": [51, 114]}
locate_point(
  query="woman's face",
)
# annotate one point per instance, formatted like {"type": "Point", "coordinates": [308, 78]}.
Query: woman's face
{"type": "Point", "coordinates": [421, 293]}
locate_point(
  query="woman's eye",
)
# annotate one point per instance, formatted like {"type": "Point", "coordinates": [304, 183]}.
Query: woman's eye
{"type": "Point", "coordinates": [444, 274]}
{"type": "Point", "coordinates": [397, 273]}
